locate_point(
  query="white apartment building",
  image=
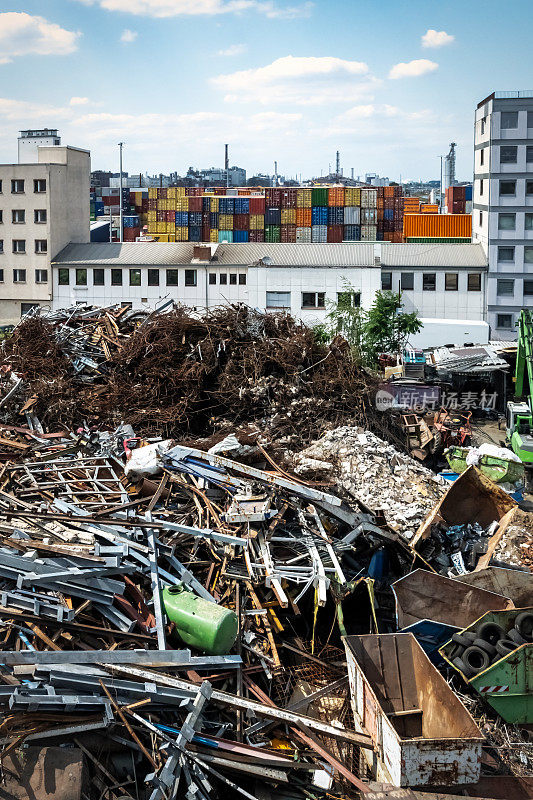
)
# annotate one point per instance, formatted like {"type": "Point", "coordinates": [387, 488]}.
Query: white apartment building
{"type": "Point", "coordinates": [502, 218]}
{"type": "Point", "coordinates": [44, 205]}
{"type": "Point", "coordinates": [443, 282]}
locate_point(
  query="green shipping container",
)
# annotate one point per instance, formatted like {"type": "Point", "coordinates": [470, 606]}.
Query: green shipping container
{"type": "Point", "coordinates": [319, 196]}
{"type": "Point", "coordinates": [273, 233]}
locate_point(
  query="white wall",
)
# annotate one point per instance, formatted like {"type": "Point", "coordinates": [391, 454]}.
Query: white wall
{"type": "Point", "coordinates": [441, 303]}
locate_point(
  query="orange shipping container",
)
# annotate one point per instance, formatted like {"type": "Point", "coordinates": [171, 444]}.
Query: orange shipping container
{"type": "Point", "coordinates": [303, 217]}
{"type": "Point", "coordinates": [429, 208]}
{"type": "Point", "coordinates": [454, 226]}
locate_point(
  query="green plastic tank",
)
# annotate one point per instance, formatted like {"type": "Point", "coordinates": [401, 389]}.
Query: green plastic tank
{"type": "Point", "coordinates": [203, 625]}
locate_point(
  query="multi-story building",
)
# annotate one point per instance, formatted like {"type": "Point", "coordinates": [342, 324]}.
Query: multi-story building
{"type": "Point", "coordinates": [503, 204]}
{"type": "Point", "coordinates": [44, 205]}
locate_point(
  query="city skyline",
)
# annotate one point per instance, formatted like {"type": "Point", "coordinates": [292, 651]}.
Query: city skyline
{"type": "Point", "coordinates": [276, 79]}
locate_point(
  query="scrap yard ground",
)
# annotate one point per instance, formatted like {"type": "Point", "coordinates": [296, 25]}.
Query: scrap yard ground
{"type": "Point", "coordinates": [221, 576]}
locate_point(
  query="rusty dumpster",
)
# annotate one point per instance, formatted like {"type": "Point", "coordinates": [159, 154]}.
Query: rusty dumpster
{"type": "Point", "coordinates": [422, 733]}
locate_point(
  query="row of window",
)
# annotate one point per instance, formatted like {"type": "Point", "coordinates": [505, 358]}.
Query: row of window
{"type": "Point", "coordinates": [18, 186]}
{"type": "Point", "coordinates": [505, 287]}
{"type": "Point", "coordinates": [507, 221]}
{"type": "Point", "coordinates": [509, 154]}
{"type": "Point", "coordinates": [509, 120]}
{"type": "Point", "coordinates": [19, 245]}
{"type": "Point", "coordinates": [282, 300]}
{"type": "Point", "coordinates": [153, 277]}
{"type": "Point", "coordinates": [19, 276]}
{"type": "Point", "coordinates": [508, 188]}
{"type": "Point", "coordinates": [507, 254]}
{"type": "Point", "coordinates": [18, 216]}
{"type": "Point", "coordinates": [429, 281]}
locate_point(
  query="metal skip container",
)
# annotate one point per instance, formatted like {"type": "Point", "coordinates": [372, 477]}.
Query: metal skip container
{"type": "Point", "coordinates": [201, 624]}
{"type": "Point", "coordinates": [422, 733]}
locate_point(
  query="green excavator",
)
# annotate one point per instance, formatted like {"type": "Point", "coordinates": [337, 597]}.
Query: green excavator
{"type": "Point", "coordinates": [519, 418]}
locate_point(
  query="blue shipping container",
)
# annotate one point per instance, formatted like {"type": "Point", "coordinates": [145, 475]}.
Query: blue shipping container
{"type": "Point", "coordinates": [242, 205]}
{"type": "Point", "coordinates": [195, 218]}
{"type": "Point", "coordinates": [388, 213]}
{"type": "Point", "coordinates": [468, 192]}
{"type": "Point", "coordinates": [213, 219]}
{"type": "Point", "coordinates": [240, 236]}
{"type": "Point", "coordinates": [99, 207]}
{"type": "Point", "coordinates": [195, 233]}
{"type": "Point", "coordinates": [352, 233]}
{"type": "Point", "coordinates": [206, 204]}
{"type": "Point", "coordinates": [273, 216]}
{"type": "Point", "coordinates": [319, 215]}
{"type": "Point", "coordinates": [226, 205]}
{"type": "Point", "coordinates": [335, 215]}
{"type": "Point", "coordinates": [225, 236]}
{"type": "Point", "coordinates": [182, 219]}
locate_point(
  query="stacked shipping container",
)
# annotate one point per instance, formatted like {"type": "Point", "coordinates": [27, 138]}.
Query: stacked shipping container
{"type": "Point", "coordinates": [437, 227]}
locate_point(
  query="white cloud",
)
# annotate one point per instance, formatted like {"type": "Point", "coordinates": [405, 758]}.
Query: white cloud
{"type": "Point", "coordinates": [233, 50]}
{"type": "Point", "coordinates": [412, 69]}
{"type": "Point", "coordinates": [22, 34]}
{"type": "Point", "coordinates": [79, 101]}
{"type": "Point", "coordinates": [128, 36]}
{"type": "Point", "coordinates": [433, 38]}
{"type": "Point", "coordinates": [176, 8]}
{"type": "Point", "coordinates": [299, 81]}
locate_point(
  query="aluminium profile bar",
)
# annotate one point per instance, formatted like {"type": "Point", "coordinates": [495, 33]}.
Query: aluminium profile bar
{"type": "Point", "coordinates": [152, 658]}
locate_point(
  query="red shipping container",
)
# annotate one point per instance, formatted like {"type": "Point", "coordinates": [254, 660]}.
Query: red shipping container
{"type": "Point", "coordinates": [257, 236]}
{"type": "Point", "coordinates": [195, 203]}
{"type": "Point", "coordinates": [288, 198]}
{"type": "Point", "coordinates": [257, 205]}
{"type": "Point", "coordinates": [241, 222]}
{"type": "Point", "coordinates": [273, 198]}
{"type": "Point", "coordinates": [130, 234]}
{"type": "Point", "coordinates": [206, 233]}
{"type": "Point", "coordinates": [288, 233]}
{"type": "Point", "coordinates": [335, 233]}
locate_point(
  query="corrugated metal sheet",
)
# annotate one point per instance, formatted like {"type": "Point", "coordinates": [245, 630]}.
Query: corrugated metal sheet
{"type": "Point", "coordinates": [437, 225]}
{"type": "Point", "coordinates": [438, 255]}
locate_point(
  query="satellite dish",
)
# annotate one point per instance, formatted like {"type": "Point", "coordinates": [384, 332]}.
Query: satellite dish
{"type": "Point", "coordinates": [267, 261]}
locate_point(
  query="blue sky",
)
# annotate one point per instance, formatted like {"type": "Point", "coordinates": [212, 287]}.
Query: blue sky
{"type": "Point", "coordinates": [388, 84]}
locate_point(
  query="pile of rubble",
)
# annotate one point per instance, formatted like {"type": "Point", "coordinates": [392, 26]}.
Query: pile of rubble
{"type": "Point", "coordinates": [375, 474]}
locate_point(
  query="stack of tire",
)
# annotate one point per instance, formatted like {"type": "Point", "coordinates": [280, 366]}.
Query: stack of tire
{"type": "Point", "coordinates": [476, 650]}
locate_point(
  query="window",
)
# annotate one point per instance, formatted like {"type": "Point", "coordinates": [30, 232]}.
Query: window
{"type": "Point", "coordinates": [530, 119]}
{"type": "Point", "coordinates": [172, 277]}
{"type": "Point", "coordinates": [313, 299]}
{"type": "Point", "coordinates": [508, 188]}
{"type": "Point", "coordinates": [529, 153]}
{"type": "Point", "coordinates": [41, 276]}
{"type": "Point", "coordinates": [19, 245]}
{"type": "Point", "coordinates": [1, 217]}
{"type": "Point", "coordinates": [81, 277]}
{"type": "Point", "coordinates": [505, 287]}
{"type": "Point", "coordinates": [528, 222]}
{"type": "Point", "coordinates": [0, 187]}
{"type": "Point", "coordinates": [1, 275]}
{"type": "Point", "coordinates": [233, 279]}
{"type": "Point", "coordinates": [39, 185]}
{"type": "Point", "coordinates": [505, 253]}
{"type": "Point", "coordinates": [190, 277]}
{"type": "Point", "coordinates": [135, 277]}
{"type": "Point", "coordinates": [429, 281]}
{"type": "Point", "coordinates": [242, 279]}
{"type": "Point", "coordinates": [212, 278]}
{"type": "Point", "coordinates": [17, 187]}
{"type": "Point", "coordinates": [39, 216]}
{"type": "Point", "coordinates": [1, 245]}
{"type": "Point", "coordinates": [18, 216]}
{"type": "Point", "coordinates": [348, 299]}
{"type": "Point", "coordinates": [98, 277]}
{"type": "Point", "coordinates": [528, 254]}
{"type": "Point", "coordinates": [25, 308]}
{"type": "Point", "coordinates": [474, 282]}
{"type": "Point", "coordinates": [407, 281]}
{"type": "Point", "coordinates": [19, 276]}
{"type": "Point", "coordinates": [481, 186]}
{"type": "Point", "coordinates": [451, 281]}
{"type": "Point", "coordinates": [529, 187]}
{"type": "Point", "coordinates": [278, 299]}
{"type": "Point", "coordinates": [483, 123]}
{"type": "Point", "coordinates": [508, 119]}
{"type": "Point", "coordinates": [508, 153]}
{"type": "Point", "coordinates": [386, 281]}
{"type": "Point", "coordinates": [528, 288]}
{"type": "Point", "coordinates": [116, 277]}
{"type": "Point", "coordinates": [506, 222]}
{"type": "Point", "coordinates": [153, 277]}
{"type": "Point", "coordinates": [481, 217]}
{"type": "Point", "coordinates": [482, 156]}
{"type": "Point", "coordinates": [223, 279]}
{"type": "Point", "coordinates": [504, 321]}
{"type": "Point", "coordinates": [63, 277]}
{"type": "Point", "coordinates": [41, 246]}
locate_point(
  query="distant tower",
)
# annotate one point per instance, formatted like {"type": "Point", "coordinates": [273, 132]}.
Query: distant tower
{"type": "Point", "coordinates": [449, 167]}
{"type": "Point", "coordinates": [338, 166]}
{"type": "Point", "coordinates": [30, 140]}
{"type": "Point", "coordinates": [226, 162]}
{"type": "Point", "coordinates": [275, 173]}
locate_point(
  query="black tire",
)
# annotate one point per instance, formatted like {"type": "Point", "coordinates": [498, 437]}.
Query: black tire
{"type": "Point", "coordinates": [465, 639]}
{"type": "Point", "coordinates": [476, 659]}
{"type": "Point", "coordinates": [516, 636]}
{"type": "Point", "coordinates": [505, 646]}
{"type": "Point", "coordinates": [491, 632]}
{"type": "Point", "coordinates": [460, 664]}
{"type": "Point", "coordinates": [524, 625]}
{"type": "Point", "coordinates": [486, 646]}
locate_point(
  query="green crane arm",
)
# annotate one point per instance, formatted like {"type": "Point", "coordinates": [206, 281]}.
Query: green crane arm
{"type": "Point", "coordinates": [524, 355]}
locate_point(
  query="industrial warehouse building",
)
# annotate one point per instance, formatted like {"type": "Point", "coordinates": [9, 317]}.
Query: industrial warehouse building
{"type": "Point", "coordinates": [444, 283]}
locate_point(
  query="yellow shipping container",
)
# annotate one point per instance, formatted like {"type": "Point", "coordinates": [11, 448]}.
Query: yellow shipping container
{"type": "Point", "coordinates": [352, 196]}
{"type": "Point", "coordinates": [172, 237]}
{"type": "Point", "coordinates": [152, 216]}
{"type": "Point", "coordinates": [182, 203]}
{"type": "Point", "coordinates": [303, 198]}
{"type": "Point", "coordinates": [213, 206]}
{"type": "Point", "coordinates": [162, 237]}
{"type": "Point", "coordinates": [225, 222]}
{"type": "Point", "coordinates": [213, 235]}
{"type": "Point", "coordinates": [152, 194]}
{"type": "Point", "coordinates": [180, 191]}
{"type": "Point", "coordinates": [182, 234]}
{"type": "Point", "coordinates": [171, 192]}
{"type": "Point", "coordinates": [257, 222]}
{"type": "Point", "coordinates": [288, 216]}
